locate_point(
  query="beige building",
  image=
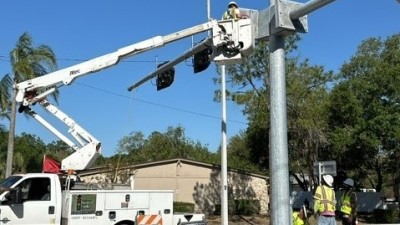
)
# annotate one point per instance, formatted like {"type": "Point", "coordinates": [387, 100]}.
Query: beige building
{"type": "Point", "coordinates": [192, 181]}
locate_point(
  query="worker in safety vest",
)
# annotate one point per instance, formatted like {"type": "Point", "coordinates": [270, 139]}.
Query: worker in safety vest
{"type": "Point", "coordinates": [348, 206]}
{"type": "Point", "coordinates": [232, 12]}
{"type": "Point", "coordinates": [325, 202]}
{"type": "Point", "coordinates": [300, 217]}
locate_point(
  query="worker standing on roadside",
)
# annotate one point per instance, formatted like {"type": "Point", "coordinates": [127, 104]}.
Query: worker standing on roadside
{"type": "Point", "coordinates": [300, 217]}
{"type": "Point", "coordinates": [233, 12]}
{"type": "Point", "coordinates": [325, 202]}
{"type": "Point", "coordinates": [348, 206]}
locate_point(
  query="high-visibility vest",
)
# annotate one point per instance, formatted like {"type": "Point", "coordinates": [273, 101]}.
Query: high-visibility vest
{"type": "Point", "coordinates": [230, 14]}
{"type": "Point", "coordinates": [296, 219]}
{"type": "Point", "coordinates": [346, 203]}
{"type": "Point", "coordinates": [326, 197]}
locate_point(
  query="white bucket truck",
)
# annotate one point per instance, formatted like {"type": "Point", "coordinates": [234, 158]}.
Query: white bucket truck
{"type": "Point", "coordinates": [41, 198]}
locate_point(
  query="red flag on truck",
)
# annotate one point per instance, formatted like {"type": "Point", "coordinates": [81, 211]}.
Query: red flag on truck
{"type": "Point", "coordinates": [51, 165]}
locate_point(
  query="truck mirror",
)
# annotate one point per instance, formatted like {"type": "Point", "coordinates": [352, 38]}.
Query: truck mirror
{"type": "Point", "coordinates": [16, 196]}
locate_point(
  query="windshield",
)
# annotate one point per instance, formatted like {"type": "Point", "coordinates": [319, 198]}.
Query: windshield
{"type": "Point", "coordinates": [8, 182]}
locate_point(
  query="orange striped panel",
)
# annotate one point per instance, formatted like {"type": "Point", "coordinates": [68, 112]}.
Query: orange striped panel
{"type": "Point", "coordinates": [149, 220]}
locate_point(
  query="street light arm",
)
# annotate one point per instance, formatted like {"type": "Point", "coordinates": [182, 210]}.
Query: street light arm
{"type": "Point", "coordinates": [308, 7]}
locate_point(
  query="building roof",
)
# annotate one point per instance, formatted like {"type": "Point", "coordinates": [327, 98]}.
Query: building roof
{"type": "Point", "coordinates": [104, 169]}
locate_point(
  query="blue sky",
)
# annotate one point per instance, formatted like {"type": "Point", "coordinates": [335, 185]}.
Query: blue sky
{"type": "Point", "coordinates": [100, 102]}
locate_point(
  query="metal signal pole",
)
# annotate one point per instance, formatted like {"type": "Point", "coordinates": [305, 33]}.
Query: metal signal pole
{"type": "Point", "coordinates": [285, 18]}
{"type": "Point", "coordinates": [280, 212]}
{"type": "Point", "coordinates": [224, 161]}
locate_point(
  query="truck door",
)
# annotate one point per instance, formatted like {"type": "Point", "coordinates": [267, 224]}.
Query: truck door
{"type": "Point", "coordinates": [37, 207]}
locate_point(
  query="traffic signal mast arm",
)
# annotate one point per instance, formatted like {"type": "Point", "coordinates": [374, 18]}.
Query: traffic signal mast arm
{"type": "Point", "coordinates": [227, 37]}
{"type": "Point", "coordinates": [230, 40]}
{"type": "Point", "coordinates": [198, 48]}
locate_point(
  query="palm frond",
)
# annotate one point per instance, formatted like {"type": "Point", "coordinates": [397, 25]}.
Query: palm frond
{"type": "Point", "coordinates": [5, 93]}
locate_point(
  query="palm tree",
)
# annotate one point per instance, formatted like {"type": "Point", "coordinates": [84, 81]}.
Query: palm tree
{"type": "Point", "coordinates": [5, 87]}
{"type": "Point", "coordinates": [27, 62]}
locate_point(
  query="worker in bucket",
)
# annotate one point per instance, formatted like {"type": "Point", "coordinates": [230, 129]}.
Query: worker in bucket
{"type": "Point", "coordinates": [348, 203]}
{"type": "Point", "coordinates": [325, 202]}
{"type": "Point", "coordinates": [232, 12]}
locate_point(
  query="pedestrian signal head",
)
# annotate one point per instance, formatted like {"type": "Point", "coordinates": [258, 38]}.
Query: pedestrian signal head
{"type": "Point", "coordinates": [328, 180]}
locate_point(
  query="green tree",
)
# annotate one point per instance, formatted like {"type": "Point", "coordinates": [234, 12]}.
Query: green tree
{"type": "Point", "coordinates": [307, 92]}
{"type": "Point", "coordinates": [307, 95]}
{"type": "Point", "coordinates": [27, 62]}
{"type": "Point", "coordinates": [237, 146]}
{"type": "Point", "coordinates": [5, 86]}
{"type": "Point", "coordinates": [29, 152]}
{"type": "Point", "coordinates": [239, 154]}
{"type": "Point", "coordinates": [3, 152]}
{"type": "Point", "coordinates": [161, 146]}
{"type": "Point", "coordinates": [58, 150]}
{"type": "Point", "coordinates": [133, 142]}
{"type": "Point", "coordinates": [365, 111]}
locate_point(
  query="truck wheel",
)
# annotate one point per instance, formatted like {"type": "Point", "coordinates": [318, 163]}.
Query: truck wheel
{"type": "Point", "coordinates": [125, 223]}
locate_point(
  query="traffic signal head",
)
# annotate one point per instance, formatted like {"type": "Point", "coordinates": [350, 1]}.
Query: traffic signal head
{"type": "Point", "coordinates": [201, 60]}
{"type": "Point", "coordinates": [165, 79]}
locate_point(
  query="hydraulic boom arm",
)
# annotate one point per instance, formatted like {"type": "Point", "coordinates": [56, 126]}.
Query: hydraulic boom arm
{"type": "Point", "coordinates": [86, 150]}
{"type": "Point", "coordinates": [229, 40]}
{"type": "Point", "coordinates": [33, 90]}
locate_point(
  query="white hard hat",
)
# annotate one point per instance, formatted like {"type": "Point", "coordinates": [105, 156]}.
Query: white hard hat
{"type": "Point", "coordinates": [349, 182]}
{"type": "Point", "coordinates": [328, 179]}
{"type": "Point", "coordinates": [233, 3]}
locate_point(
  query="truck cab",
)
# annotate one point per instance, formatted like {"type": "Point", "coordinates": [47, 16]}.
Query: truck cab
{"type": "Point", "coordinates": [32, 197]}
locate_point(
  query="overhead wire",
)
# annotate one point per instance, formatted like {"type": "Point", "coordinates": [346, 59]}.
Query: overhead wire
{"type": "Point", "coordinates": [155, 104]}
